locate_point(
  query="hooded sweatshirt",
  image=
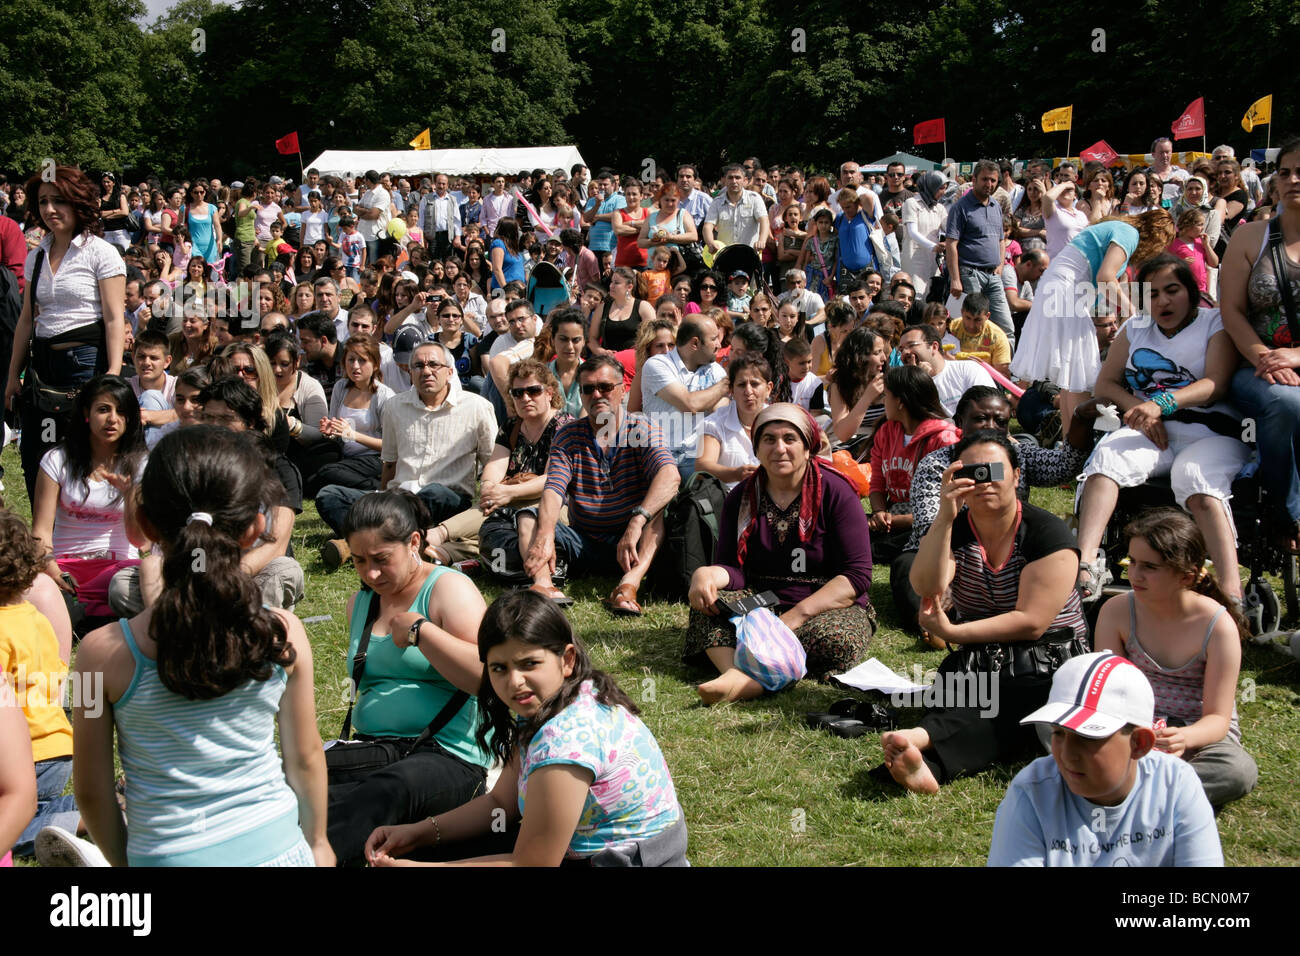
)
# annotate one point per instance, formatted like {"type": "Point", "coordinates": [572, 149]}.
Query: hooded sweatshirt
{"type": "Point", "coordinates": [892, 461]}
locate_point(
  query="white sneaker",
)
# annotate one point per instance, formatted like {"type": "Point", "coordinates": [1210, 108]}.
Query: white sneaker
{"type": "Point", "coordinates": [55, 846]}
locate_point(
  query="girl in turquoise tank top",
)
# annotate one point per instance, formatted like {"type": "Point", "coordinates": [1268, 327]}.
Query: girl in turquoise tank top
{"type": "Point", "coordinates": [196, 685]}
{"type": "Point", "coordinates": [421, 672]}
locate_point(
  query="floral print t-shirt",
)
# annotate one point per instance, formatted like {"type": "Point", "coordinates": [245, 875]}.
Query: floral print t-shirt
{"type": "Point", "coordinates": [632, 797]}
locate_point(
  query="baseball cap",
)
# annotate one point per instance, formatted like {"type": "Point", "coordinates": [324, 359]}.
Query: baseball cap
{"type": "Point", "coordinates": [405, 343]}
{"type": "Point", "coordinates": [739, 274]}
{"type": "Point", "coordinates": [237, 184]}
{"type": "Point", "coordinates": [1096, 695]}
{"type": "Point", "coordinates": [276, 181]}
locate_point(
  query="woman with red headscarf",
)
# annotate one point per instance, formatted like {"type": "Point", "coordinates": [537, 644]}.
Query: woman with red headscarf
{"type": "Point", "coordinates": [794, 527]}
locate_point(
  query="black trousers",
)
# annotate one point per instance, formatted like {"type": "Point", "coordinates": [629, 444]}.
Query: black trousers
{"type": "Point", "coordinates": [427, 782]}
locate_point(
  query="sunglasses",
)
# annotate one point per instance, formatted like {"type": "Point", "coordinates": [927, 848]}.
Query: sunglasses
{"type": "Point", "coordinates": [532, 391]}
{"type": "Point", "coordinates": [708, 288]}
{"type": "Point", "coordinates": [603, 387]}
{"type": "Point", "coordinates": [247, 371]}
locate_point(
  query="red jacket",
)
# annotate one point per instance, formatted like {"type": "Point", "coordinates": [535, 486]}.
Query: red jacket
{"type": "Point", "coordinates": [892, 462]}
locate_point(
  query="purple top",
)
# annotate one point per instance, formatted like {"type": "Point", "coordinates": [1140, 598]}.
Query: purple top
{"type": "Point", "coordinates": [840, 544]}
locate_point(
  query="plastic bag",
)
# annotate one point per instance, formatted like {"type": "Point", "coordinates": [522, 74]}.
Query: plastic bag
{"type": "Point", "coordinates": [857, 473]}
{"type": "Point", "coordinates": [767, 650]}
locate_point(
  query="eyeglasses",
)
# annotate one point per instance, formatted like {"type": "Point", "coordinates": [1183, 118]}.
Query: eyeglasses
{"type": "Point", "coordinates": [532, 391]}
{"type": "Point", "coordinates": [603, 387]}
{"type": "Point", "coordinates": [421, 366]}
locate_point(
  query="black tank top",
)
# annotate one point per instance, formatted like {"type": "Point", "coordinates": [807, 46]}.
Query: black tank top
{"type": "Point", "coordinates": [619, 335]}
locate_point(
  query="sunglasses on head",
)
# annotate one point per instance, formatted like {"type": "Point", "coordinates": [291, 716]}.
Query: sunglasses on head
{"type": "Point", "coordinates": [603, 387]}
{"type": "Point", "coordinates": [532, 391]}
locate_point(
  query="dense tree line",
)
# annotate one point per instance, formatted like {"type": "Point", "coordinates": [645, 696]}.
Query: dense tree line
{"type": "Point", "coordinates": [210, 87]}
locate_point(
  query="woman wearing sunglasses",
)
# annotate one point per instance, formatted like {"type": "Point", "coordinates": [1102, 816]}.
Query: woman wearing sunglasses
{"type": "Point", "coordinates": [501, 527]}
{"type": "Point", "coordinates": [201, 218]}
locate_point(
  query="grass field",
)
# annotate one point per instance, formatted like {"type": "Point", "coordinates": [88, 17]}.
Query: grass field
{"type": "Point", "coordinates": [759, 788]}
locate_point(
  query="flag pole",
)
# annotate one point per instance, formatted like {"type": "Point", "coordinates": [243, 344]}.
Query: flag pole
{"type": "Point", "coordinates": [1205, 126]}
{"type": "Point", "coordinates": [1069, 134]}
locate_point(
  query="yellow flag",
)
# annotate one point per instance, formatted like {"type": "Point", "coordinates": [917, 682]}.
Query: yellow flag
{"type": "Point", "coordinates": [1054, 120]}
{"type": "Point", "coordinates": [1259, 114]}
{"type": "Point", "coordinates": [422, 141]}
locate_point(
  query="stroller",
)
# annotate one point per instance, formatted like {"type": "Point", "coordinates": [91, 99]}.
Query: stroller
{"type": "Point", "coordinates": [547, 288]}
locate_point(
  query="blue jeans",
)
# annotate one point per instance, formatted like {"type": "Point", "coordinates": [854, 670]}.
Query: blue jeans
{"type": "Point", "coordinates": [52, 807]}
{"type": "Point", "coordinates": [583, 554]}
{"type": "Point", "coordinates": [990, 283]}
{"type": "Point", "coordinates": [334, 501]}
{"type": "Point", "coordinates": [1276, 410]}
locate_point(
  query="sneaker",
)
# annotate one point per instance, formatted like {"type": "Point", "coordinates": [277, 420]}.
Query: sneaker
{"type": "Point", "coordinates": [55, 846]}
{"type": "Point", "coordinates": [334, 553]}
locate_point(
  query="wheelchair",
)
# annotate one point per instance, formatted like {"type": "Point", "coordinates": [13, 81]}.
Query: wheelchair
{"type": "Point", "coordinates": [1255, 517]}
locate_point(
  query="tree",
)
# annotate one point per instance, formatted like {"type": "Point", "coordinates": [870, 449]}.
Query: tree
{"type": "Point", "coordinates": [68, 92]}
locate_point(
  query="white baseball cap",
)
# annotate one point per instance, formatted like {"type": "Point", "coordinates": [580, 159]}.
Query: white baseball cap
{"type": "Point", "coordinates": [1096, 695]}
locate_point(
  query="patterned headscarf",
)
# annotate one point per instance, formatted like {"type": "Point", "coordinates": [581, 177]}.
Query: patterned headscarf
{"type": "Point", "coordinates": [810, 502]}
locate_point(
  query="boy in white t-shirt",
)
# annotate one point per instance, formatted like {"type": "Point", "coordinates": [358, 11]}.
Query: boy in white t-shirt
{"type": "Point", "coordinates": [1104, 797]}
{"type": "Point", "coordinates": [155, 389]}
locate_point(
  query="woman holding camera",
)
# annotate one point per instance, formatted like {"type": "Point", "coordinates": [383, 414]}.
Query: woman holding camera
{"type": "Point", "coordinates": [1010, 568]}
{"type": "Point", "coordinates": [794, 527]}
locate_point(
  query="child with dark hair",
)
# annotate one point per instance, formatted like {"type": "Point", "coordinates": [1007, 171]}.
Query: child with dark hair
{"type": "Point", "coordinates": [79, 508]}
{"type": "Point", "coordinates": [573, 747]}
{"type": "Point", "coordinates": [195, 685]}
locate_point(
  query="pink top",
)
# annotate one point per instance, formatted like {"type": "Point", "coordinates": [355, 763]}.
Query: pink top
{"type": "Point", "coordinates": [1194, 253]}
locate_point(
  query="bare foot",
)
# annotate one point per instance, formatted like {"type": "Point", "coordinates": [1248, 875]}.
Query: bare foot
{"type": "Point", "coordinates": [905, 763]}
{"type": "Point", "coordinates": [733, 685]}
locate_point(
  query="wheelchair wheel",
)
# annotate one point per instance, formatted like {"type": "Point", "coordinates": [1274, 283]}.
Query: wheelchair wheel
{"type": "Point", "coordinates": [1260, 606]}
{"type": "Point", "coordinates": [1290, 573]}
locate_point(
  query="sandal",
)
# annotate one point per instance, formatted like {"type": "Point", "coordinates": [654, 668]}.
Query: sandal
{"type": "Point", "coordinates": [622, 601]}
{"type": "Point", "coordinates": [1098, 577]}
{"type": "Point", "coordinates": [553, 594]}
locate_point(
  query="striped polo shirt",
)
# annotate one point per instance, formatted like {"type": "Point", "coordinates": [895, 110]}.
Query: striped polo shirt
{"type": "Point", "coordinates": [603, 485]}
{"type": "Point", "coordinates": [980, 590]}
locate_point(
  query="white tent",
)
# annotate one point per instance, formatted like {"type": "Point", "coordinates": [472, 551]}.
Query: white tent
{"type": "Point", "coordinates": [454, 162]}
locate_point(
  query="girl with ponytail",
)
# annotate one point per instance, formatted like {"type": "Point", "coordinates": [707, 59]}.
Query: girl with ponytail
{"type": "Point", "coordinates": [195, 685]}
{"type": "Point", "coordinates": [1189, 648]}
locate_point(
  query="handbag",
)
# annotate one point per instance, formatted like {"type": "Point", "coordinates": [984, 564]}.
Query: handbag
{"type": "Point", "coordinates": [351, 761]}
{"type": "Point", "coordinates": [1023, 660]}
{"type": "Point", "coordinates": [45, 399]}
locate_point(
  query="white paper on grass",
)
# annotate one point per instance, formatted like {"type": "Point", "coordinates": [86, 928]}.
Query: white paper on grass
{"type": "Point", "coordinates": [873, 675]}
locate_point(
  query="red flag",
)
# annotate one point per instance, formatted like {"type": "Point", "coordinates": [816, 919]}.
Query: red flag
{"type": "Point", "coordinates": [1192, 122]}
{"type": "Point", "coordinates": [288, 144]}
{"type": "Point", "coordinates": [1100, 152]}
{"type": "Point", "coordinates": [931, 131]}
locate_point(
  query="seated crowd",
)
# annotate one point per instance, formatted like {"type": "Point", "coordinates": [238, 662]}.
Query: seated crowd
{"type": "Point", "coordinates": [840, 399]}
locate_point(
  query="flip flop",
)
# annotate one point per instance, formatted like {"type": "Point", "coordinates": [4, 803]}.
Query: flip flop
{"type": "Point", "coordinates": [553, 594]}
{"type": "Point", "coordinates": [622, 601]}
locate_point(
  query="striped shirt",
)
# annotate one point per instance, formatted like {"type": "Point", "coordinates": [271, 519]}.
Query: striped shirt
{"type": "Point", "coordinates": [204, 781]}
{"type": "Point", "coordinates": [602, 486]}
{"type": "Point", "coordinates": [981, 591]}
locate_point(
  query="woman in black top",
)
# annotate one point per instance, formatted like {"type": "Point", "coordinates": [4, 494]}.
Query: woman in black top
{"type": "Point", "coordinates": [113, 210]}
{"type": "Point", "coordinates": [614, 323]}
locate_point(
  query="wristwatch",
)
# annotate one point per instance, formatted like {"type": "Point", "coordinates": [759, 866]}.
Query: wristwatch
{"type": "Point", "coordinates": [413, 636]}
{"type": "Point", "coordinates": [638, 510]}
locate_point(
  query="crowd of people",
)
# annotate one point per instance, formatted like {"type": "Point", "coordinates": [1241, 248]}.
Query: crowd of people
{"type": "Point", "coordinates": [520, 380]}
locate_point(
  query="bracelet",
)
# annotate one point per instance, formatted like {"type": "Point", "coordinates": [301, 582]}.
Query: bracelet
{"type": "Point", "coordinates": [437, 831]}
{"type": "Point", "coordinates": [1166, 402]}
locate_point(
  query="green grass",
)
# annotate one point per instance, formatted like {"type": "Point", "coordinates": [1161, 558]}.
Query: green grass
{"type": "Point", "coordinates": [759, 788]}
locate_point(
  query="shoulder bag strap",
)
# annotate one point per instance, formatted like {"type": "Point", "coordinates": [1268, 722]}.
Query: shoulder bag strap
{"type": "Point", "coordinates": [442, 718]}
{"type": "Point", "coordinates": [359, 660]}
{"type": "Point", "coordinates": [1283, 279]}
{"type": "Point", "coordinates": [33, 281]}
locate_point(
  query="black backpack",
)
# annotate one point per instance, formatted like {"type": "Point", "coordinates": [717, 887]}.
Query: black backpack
{"type": "Point", "coordinates": [690, 534]}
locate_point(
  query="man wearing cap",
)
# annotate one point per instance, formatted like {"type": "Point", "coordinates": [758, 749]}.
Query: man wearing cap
{"type": "Point", "coordinates": [1104, 797]}
{"type": "Point", "coordinates": [738, 215]}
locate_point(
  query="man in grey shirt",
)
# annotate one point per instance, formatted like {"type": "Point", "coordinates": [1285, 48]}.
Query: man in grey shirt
{"type": "Point", "coordinates": [976, 247]}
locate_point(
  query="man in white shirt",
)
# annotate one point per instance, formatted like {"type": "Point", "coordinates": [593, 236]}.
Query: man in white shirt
{"type": "Point", "coordinates": [810, 304]}
{"type": "Point", "coordinates": [305, 190]}
{"type": "Point", "coordinates": [737, 216]}
{"type": "Point", "coordinates": [923, 345]}
{"type": "Point", "coordinates": [1162, 155]}
{"type": "Point", "coordinates": [373, 211]}
{"type": "Point", "coordinates": [694, 201]}
{"type": "Point", "coordinates": [327, 303]}
{"type": "Point", "coordinates": [681, 388]}
{"type": "Point", "coordinates": [436, 438]}
{"type": "Point", "coordinates": [440, 218]}
{"type": "Point", "coordinates": [851, 178]}
{"type": "Point", "coordinates": [497, 205]}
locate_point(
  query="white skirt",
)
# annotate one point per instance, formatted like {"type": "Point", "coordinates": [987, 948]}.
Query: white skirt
{"type": "Point", "coordinates": [1058, 342]}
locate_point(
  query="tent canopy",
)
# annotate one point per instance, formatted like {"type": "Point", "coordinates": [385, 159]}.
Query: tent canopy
{"type": "Point", "coordinates": [913, 164]}
{"type": "Point", "coordinates": [454, 162]}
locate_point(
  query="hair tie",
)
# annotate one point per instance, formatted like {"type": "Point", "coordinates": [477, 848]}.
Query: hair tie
{"type": "Point", "coordinates": [200, 516]}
